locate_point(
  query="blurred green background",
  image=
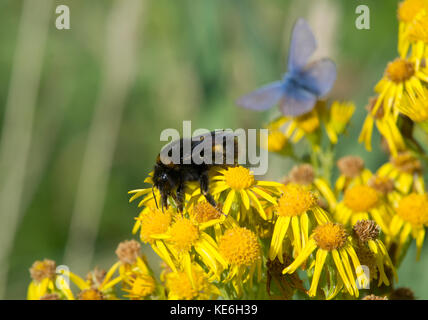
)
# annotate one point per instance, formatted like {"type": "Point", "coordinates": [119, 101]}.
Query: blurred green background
{"type": "Point", "coordinates": [102, 92]}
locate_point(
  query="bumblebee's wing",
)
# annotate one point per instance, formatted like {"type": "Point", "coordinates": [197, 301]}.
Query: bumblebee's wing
{"type": "Point", "coordinates": [178, 151]}
{"type": "Point", "coordinates": [222, 145]}
{"type": "Point", "coordinates": [225, 147]}
{"type": "Point", "coordinates": [302, 46]}
{"type": "Point", "coordinates": [181, 151]}
{"type": "Point", "coordinates": [169, 152]}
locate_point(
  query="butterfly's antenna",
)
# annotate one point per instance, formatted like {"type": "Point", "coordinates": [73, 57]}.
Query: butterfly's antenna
{"type": "Point", "coordinates": [154, 196]}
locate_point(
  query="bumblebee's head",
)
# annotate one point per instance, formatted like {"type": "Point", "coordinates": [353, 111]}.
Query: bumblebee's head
{"type": "Point", "coordinates": [164, 182]}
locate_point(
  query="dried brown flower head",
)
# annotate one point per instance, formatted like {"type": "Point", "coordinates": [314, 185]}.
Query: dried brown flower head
{"type": "Point", "coordinates": [303, 174]}
{"type": "Point", "coordinates": [128, 251]}
{"type": "Point", "coordinates": [43, 269]}
{"type": "Point", "coordinates": [351, 166]}
{"type": "Point", "coordinates": [373, 297]}
{"type": "Point", "coordinates": [366, 230]}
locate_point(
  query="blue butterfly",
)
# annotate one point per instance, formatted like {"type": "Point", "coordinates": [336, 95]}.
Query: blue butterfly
{"type": "Point", "coordinates": [302, 85]}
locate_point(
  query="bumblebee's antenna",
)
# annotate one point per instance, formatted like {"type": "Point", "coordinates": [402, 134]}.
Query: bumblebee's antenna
{"type": "Point", "coordinates": [153, 192]}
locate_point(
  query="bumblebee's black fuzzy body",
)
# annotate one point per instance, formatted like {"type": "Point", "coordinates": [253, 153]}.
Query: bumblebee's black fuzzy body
{"type": "Point", "coordinates": [170, 179]}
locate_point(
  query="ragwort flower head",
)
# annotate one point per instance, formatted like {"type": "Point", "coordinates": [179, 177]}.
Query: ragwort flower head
{"type": "Point", "coordinates": [331, 239]}
{"type": "Point", "coordinates": [295, 201]}
{"type": "Point", "coordinates": [239, 186]}
{"type": "Point", "coordinates": [152, 222]}
{"type": "Point", "coordinates": [140, 286]}
{"type": "Point", "coordinates": [240, 247]}
{"type": "Point", "coordinates": [362, 202]}
{"type": "Point", "coordinates": [181, 287]}
{"type": "Point", "coordinates": [295, 207]}
{"type": "Point", "coordinates": [184, 233]}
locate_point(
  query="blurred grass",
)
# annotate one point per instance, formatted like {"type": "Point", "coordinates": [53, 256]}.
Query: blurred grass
{"type": "Point", "coordinates": [194, 59]}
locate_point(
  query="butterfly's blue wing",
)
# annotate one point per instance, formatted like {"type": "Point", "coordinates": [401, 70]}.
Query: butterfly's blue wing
{"type": "Point", "coordinates": [297, 100]}
{"type": "Point", "coordinates": [302, 46]}
{"type": "Point", "coordinates": [318, 77]}
{"type": "Point", "coordinates": [302, 84]}
{"type": "Point", "coordinates": [264, 97]}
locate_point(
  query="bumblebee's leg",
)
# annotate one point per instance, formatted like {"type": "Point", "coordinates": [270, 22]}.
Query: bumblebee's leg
{"type": "Point", "coordinates": [204, 184]}
{"type": "Point", "coordinates": [164, 199]}
{"type": "Point", "coordinates": [180, 197]}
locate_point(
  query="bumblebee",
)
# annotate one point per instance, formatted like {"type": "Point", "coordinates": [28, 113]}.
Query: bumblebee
{"type": "Point", "coordinates": [170, 177]}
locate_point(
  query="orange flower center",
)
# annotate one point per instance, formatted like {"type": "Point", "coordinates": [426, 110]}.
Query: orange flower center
{"type": "Point", "coordinates": [184, 234]}
{"type": "Point", "coordinates": [154, 222]}
{"type": "Point", "coordinates": [239, 178]}
{"type": "Point", "coordinates": [295, 200]}
{"type": "Point", "coordinates": [330, 236]}
{"type": "Point", "coordinates": [414, 209]}
{"type": "Point", "coordinates": [400, 70]}
{"type": "Point", "coordinates": [409, 9]}
{"type": "Point", "coordinates": [361, 198]}
{"type": "Point", "coordinates": [239, 246]}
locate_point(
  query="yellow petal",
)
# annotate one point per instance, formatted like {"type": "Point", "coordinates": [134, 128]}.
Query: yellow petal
{"type": "Point", "coordinates": [319, 264]}
{"type": "Point", "coordinates": [229, 200]}
{"type": "Point", "coordinates": [279, 231]}
{"type": "Point", "coordinates": [304, 254]}
{"type": "Point", "coordinates": [341, 271]}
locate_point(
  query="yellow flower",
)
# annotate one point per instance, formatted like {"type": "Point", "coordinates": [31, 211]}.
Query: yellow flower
{"type": "Point", "coordinates": [372, 252]}
{"type": "Point", "coordinates": [401, 76]}
{"type": "Point", "coordinates": [408, 10]}
{"type": "Point", "coordinates": [362, 202]}
{"type": "Point", "coordinates": [406, 172]}
{"type": "Point", "coordinates": [97, 286]}
{"type": "Point", "coordinates": [385, 186]}
{"type": "Point", "coordinates": [132, 263]}
{"type": "Point", "coordinates": [307, 125]}
{"type": "Point", "coordinates": [305, 175]}
{"type": "Point", "coordinates": [417, 29]}
{"type": "Point", "coordinates": [184, 235]}
{"type": "Point", "coordinates": [181, 287]}
{"type": "Point", "coordinates": [385, 123]}
{"type": "Point", "coordinates": [90, 294]}
{"type": "Point", "coordinates": [331, 239]}
{"type": "Point", "coordinates": [410, 15]}
{"type": "Point", "coordinates": [417, 110]}
{"type": "Point", "coordinates": [410, 220]}
{"type": "Point", "coordinates": [241, 249]}
{"type": "Point", "coordinates": [352, 172]}
{"type": "Point", "coordinates": [152, 221]}
{"type": "Point", "coordinates": [294, 207]}
{"type": "Point", "coordinates": [238, 185]}
{"type": "Point", "coordinates": [276, 141]}
{"type": "Point", "coordinates": [339, 116]}
{"type": "Point", "coordinates": [203, 212]}
{"type": "Point", "coordinates": [45, 281]}
{"type": "Point", "coordinates": [140, 286]}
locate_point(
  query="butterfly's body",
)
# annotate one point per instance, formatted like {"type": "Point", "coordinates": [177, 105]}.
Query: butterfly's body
{"type": "Point", "coordinates": [303, 83]}
{"type": "Point", "coordinates": [293, 81]}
